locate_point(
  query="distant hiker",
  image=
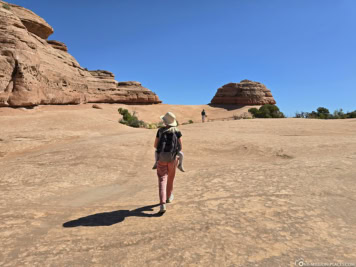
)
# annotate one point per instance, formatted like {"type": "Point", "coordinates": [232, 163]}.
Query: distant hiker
{"type": "Point", "coordinates": [203, 115]}
{"type": "Point", "coordinates": [168, 145]}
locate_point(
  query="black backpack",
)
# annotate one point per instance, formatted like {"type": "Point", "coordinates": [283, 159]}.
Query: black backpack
{"type": "Point", "coordinates": [168, 145]}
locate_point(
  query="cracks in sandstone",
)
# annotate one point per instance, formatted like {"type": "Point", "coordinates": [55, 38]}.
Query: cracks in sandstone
{"type": "Point", "coordinates": [29, 44]}
{"type": "Point", "coordinates": [11, 85]}
{"type": "Point", "coordinates": [17, 81]}
{"type": "Point", "coordinates": [11, 60]}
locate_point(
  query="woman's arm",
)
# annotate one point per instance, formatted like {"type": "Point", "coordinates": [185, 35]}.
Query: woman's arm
{"type": "Point", "coordinates": [156, 142]}
{"type": "Point", "coordinates": [180, 142]}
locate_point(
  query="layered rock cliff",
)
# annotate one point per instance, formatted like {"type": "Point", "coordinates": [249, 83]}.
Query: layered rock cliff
{"type": "Point", "coordinates": [35, 71]}
{"type": "Point", "coordinates": [244, 93]}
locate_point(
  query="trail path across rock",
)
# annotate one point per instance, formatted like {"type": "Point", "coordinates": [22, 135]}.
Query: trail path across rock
{"type": "Point", "coordinates": [77, 189]}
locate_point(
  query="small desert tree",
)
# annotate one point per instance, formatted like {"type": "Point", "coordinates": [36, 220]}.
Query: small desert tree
{"type": "Point", "coordinates": [253, 111]}
{"type": "Point", "coordinates": [323, 113]}
{"type": "Point", "coordinates": [266, 111]}
{"type": "Point", "coordinates": [351, 114]}
{"type": "Point", "coordinates": [339, 114]}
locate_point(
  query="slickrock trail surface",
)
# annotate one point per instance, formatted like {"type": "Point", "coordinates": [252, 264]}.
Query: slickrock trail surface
{"type": "Point", "coordinates": [77, 189]}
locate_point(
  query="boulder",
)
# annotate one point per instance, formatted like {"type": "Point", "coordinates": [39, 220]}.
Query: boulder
{"type": "Point", "coordinates": [36, 71]}
{"type": "Point", "coordinates": [244, 93]}
{"type": "Point", "coordinates": [96, 106]}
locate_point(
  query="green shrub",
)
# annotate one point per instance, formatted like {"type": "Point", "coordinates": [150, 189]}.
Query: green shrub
{"type": "Point", "coordinates": [134, 122]}
{"type": "Point", "coordinates": [351, 114]}
{"type": "Point", "coordinates": [131, 120]}
{"type": "Point", "coordinates": [324, 114]}
{"type": "Point", "coordinates": [190, 121]}
{"type": "Point", "coordinates": [339, 114]}
{"type": "Point", "coordinates": [6, 6]}
{"type": "Point", "coordinates": [322, 110]}
{"type": "Point", "coordinates": [266, 111]}
{"type": "Point", "coordinates": [253, 111]}
{"type": "Point", "coordinates": [313, 115]}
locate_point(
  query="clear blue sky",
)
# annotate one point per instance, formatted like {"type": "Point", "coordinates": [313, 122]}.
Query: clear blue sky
{"type": "Point", "coordinates": [303, 50]}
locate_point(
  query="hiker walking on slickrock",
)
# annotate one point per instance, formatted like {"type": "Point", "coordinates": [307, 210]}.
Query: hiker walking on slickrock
{"type": "Point", "coordinates": [203, 116]}
{"type": "Point", "coordinates": [168, 144]}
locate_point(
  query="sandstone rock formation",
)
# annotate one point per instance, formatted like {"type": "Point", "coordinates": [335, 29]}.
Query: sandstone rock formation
{"type": "Point", "coordinates": [244, 93]}
{"type": "Point", "coordinates": [35, 71]}
{"type": "Point", "coordinates": [32, 22]}
{"type": "Point", "coordinates": [58, 45]}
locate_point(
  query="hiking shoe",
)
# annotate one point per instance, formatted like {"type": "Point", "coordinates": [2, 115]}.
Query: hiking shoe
{"type": "Point", "coordinates": [162, 208]}
{"type": "Point", "coordinates": [170, 199]}
{"type": "Point", "coordinates": [180, 167]}
{"type": "Point", "coordinates": [154, 166]}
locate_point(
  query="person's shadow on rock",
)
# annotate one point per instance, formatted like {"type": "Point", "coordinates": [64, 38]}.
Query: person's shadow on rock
{"type": "Point", "coordinates": [113, 217]}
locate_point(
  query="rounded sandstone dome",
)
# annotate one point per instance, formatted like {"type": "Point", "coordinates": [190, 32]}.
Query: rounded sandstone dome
{"type": "Point", "coordinates": [244, 93]}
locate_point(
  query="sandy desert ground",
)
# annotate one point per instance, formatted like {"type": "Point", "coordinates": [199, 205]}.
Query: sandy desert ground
{"type": "Point", "coordinates": [77, 189]}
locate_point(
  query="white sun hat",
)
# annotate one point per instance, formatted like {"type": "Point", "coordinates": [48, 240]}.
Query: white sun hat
{"type": "Point", "coordinates": [169, 119]}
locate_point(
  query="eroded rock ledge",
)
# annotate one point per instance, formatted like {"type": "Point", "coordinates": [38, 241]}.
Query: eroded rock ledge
{"type": "Point", "coordinates": [244, 93]}
{"type": "Point", "coordinates": [36, 71]}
